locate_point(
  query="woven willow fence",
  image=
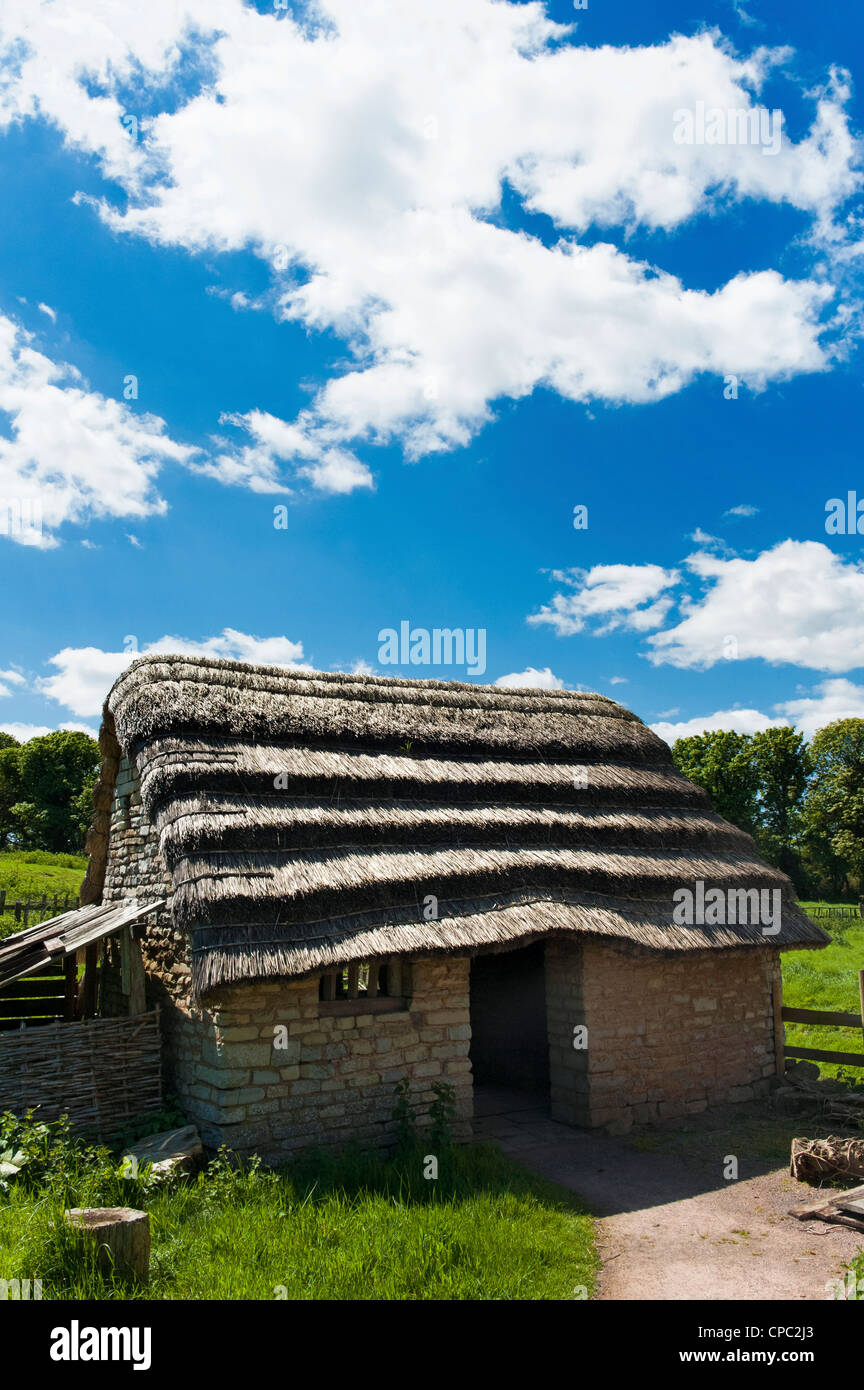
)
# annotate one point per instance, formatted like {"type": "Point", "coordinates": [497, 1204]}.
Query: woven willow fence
{"type": "Point", "coordinates": [101, 1072]}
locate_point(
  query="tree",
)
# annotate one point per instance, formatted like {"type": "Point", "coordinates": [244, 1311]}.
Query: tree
{"type": "Point", "coordinates": [10, 786]}
{"type": "Point", "coordinates": [834, 811]}
{"type": "Point", "coordinates": [48, 791]}
{"type": "Point", "coordinates": [723, 763]}
{"type": "Point", "coordinates": [783, 764]}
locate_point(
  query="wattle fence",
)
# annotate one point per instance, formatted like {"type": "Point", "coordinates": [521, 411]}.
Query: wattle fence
{"type": "Point", "coordinates": [101, 1072]}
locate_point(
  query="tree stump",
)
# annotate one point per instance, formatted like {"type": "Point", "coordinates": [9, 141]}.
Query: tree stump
{"type": "Point", "coordinates": [121, 1236]}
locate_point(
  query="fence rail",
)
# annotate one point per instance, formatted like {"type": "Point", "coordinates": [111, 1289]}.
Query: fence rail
{"type": "Point", "coordinates": [838, 910]}
{"type": "Point", "coordinates": [48, 905]}
{"type": "Point", "coordinates": [826, 1018]}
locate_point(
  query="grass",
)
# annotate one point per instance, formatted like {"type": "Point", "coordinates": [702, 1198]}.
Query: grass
{"type": "Point", "coordinates": [30, 873]}
{"type": "Point", "coordinates": [827, 979]}
{"type": "Point", "coordinates": [350, 1226]}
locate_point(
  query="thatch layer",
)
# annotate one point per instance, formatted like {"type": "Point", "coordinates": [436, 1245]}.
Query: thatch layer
{"type": "Point", "coordinates": [309, 818]}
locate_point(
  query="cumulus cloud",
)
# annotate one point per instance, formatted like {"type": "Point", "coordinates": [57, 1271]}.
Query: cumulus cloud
{"type": "Point", "coordinates": [363, 149]}
{"type": "Point", "coordinates": [71, 454]}
{"type": "Point", "coordinates": [797, 603]}
{"type": "Point", "coordinates": [86, 674]}
{"type": "Point", "coordinates": [615, 596]}
{"type": "Point", "coordinates": [835, 699]}
{"type": "Point", "coordinates": [831, 700]}
{"type": "Point", "coordinates": [743, 509]}
{"type": "Point", "coordinates": [531, 679]}
{"type": "Point", "coordinates": [9, 678]}
{"type": "Point", "coordinates": [742, 721]}
{"type": "Point", "coordinates": [23, 732]}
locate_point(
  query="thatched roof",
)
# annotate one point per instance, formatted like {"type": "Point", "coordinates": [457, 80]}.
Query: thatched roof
{"type": "Point", "coordinates": [306, 818]}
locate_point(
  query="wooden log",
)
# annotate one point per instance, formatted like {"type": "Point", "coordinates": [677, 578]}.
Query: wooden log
{"type": "Point", "coordinates": [121, 1236]}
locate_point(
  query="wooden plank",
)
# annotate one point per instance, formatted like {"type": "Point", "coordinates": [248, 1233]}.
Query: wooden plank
{"type": "Point", "coordinates": [71, 990]}
{"type": "Point", "coordinates": [353, 980]}
{"type": "Point", "coordinates": [815, 1054]}
{"type": "Point", "coordinates": [137, 977]}
{"type": "Point", "coordinates": [372, 983]}
{"type": "Point", "coordinates": [328, 986]}
{"type": "Point", "coordinates": [826, 1199]}
{"type": "Point", "coordinates": [779, 1034]}
{"type": "Point", "coordinates": [828, 1018]}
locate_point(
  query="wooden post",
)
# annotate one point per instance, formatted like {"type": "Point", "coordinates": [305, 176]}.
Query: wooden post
{"type": "Point", "coordinates": [70, 969]}
{"type": "Point", "coordinates": [88, 1006]}
{"type": "Point", "coordinates": [121, 1236]}
{"type": "Point", "coordinates": [132, 972]}
{"type": "Point", "coordinates": [779, 1031]}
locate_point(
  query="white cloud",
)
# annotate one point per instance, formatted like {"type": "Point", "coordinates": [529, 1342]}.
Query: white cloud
{"type": "Point", "coordinates": [71, 454]}
{"type": "Point", "coordinates": [742, 721]}
{"type": "Point", "coordinates": [23, 732]}
{"type": "Point", "coordinates": [836, 699]}
{"type": "Point", "coordinates": [797, 603]}
{"type": "Point", "coordinates": [362, 154]}
{"type": "Point", "coordinates": [628, 596]}
{"type": "Point", "coordinates": [530, 679]}
{"type": "Point", "coordinates": [86, 674]}
{"type": "Point", "coordinates": [833, 699]}
{"type": "Point", "coordinates": [8, 678]}
{"type": "Point", "coordinates": [618, 680]}
{"type": "Point", "coordinates": [46, 309]}
{"type": "Point", "coordinates": [743, 509]}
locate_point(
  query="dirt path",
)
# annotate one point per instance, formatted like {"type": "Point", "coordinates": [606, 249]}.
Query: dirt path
{"type": "Point", "coordinates": [671, 1228]}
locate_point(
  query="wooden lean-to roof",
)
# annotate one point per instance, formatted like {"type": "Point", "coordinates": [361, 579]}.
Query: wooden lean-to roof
{"type": "Point", "coordinates": [308, 819]}
{"type": "Point", "coordinates": [62, 936]}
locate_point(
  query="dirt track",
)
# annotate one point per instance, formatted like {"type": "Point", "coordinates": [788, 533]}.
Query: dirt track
{"type": "Point", "coordinates": [670, 1227]}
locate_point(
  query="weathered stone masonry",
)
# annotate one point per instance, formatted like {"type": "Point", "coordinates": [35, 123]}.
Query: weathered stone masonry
{"type": "Point", "coordinates": [668, 1035]}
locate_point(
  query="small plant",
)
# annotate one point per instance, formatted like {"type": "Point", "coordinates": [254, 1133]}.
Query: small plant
{"type": "Point", "coordinates": [442, 1113]}
{"type": "Point", "coordinates": [404, 1117]}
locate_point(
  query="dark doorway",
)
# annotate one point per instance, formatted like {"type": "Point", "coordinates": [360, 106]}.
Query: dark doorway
{"type": "Point", "coordinates": [509, 1042]}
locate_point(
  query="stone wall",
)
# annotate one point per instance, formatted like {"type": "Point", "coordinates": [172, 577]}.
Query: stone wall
{"type": "Point", "coordinates": [333, 1079]}
{"type": "Point", "coordinates": [667, 1035]}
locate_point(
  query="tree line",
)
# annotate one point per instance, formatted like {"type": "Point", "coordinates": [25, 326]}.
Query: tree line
{"type": "Point", "coordinates": [802, 802]}
{"type": "Point", "coordinates": [46, 790]}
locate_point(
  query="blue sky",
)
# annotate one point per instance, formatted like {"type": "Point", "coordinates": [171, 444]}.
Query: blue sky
{"type": "Point", "coordinates": [430, 323]}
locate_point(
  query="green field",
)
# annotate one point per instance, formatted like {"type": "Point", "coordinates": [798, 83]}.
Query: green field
{"type": "Point", "coordinates": [827, 979]}
{"type": "Point", "coordinates": [30, 873]}
{"type": "Point", "coordinates": [327, 1227]}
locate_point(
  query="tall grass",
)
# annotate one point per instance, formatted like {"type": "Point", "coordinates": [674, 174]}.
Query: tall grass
{"type": "Point", "coordinates": [350, 1226]}
{"type": "Point", "coordinates": [30, 873]}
